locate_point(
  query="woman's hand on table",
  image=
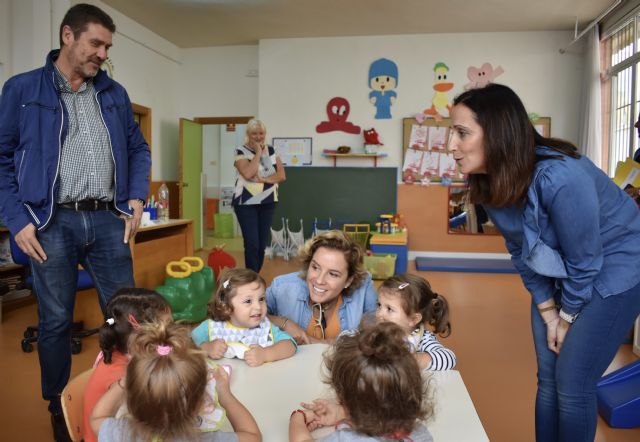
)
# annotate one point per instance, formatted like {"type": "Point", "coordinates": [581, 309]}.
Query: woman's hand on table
{"type": "Point", "coordinates": [297, 333]}
{"type": "Point", "coordinates": [215, 349]}
{"type": "Point", "coordinates": [324, 413]}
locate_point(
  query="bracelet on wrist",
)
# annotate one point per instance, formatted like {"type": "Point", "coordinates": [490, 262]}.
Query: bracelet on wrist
{"type": "Point", "coordinates": [304, 416]}
{"type": "Point", "coordinates": [547, 309]}
{"type": "Point", "coordinates": [284, 324]}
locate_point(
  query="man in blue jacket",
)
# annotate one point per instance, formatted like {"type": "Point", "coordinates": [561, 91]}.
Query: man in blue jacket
{"type": "Point", "coordinates": [73, 177]}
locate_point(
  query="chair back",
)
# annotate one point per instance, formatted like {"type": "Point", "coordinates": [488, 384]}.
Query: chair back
{"type": "Point", "coordinates": [73, 404]}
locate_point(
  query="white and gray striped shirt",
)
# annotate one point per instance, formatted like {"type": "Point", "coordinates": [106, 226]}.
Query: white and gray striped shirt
{"type": "Point", "coordinates": [86, 164]}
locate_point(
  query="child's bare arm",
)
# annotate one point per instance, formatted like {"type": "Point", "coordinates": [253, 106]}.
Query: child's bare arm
{"type": "Point", "coordinates": [242, 421]}
{"type": "Point", "coordinates": [107, 406]}
{"type": "Point", "coordinates": [424, 360]}
{"type": "Point", "coordinates": [257, 355]}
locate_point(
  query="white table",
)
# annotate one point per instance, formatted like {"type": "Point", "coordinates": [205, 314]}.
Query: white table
{"type": "Point", "coordinates": [273, 390]}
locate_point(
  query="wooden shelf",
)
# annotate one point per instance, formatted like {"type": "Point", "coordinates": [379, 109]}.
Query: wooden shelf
{"type": "Point", "coordinates": [335, 155]}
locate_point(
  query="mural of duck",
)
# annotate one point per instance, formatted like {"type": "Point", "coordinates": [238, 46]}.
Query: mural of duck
{"type": "Point", "coordinates": [440, 101]}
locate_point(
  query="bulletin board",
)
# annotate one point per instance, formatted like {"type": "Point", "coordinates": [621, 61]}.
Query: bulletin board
{"type": "Point", "coordinates": [408, 123]}
{"type": "Point", "coordinates": [294, 151]}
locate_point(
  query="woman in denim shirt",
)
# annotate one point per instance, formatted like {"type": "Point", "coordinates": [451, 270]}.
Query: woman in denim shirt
{"type": "Point", "coordinates": [574, 237]}
{"type": "Point", "coordinates": [328, 296]}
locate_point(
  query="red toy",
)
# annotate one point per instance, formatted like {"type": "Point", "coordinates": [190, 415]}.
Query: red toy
{"type": "Point", "coordinates": [219, 260]}
{"type": "Point", "coordinates": [371, 137]}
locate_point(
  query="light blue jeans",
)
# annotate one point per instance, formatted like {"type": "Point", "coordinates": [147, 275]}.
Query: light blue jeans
{"type": "Point", "coordinates": [95, 240]}
{"type": "Point", "coordinates": [566, 404]}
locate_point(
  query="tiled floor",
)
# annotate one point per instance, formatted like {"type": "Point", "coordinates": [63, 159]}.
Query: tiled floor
{"type": "Point", "coordinates": [490, 317]}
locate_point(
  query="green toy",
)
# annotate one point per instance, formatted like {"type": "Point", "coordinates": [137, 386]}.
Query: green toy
{"type": "Point", "coordinates": [188, 288]}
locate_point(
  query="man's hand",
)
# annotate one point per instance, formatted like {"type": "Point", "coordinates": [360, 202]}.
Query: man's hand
{"type": "Point", "coordinates": [27, 241]}
{"type": "Point", "coordinates": [132, 222]}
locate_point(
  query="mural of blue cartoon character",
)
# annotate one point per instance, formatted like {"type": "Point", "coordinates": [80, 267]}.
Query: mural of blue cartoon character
{"type": "Point", "coordinates": [383, 79]}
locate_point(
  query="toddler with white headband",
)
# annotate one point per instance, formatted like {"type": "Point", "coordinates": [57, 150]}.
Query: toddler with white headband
{"type": "Point", "coordinates": [408, 301]}
{"type": "Point", "coordinates": [238, 325]}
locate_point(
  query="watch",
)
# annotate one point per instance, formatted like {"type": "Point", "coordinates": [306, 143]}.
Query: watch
{"type": "Point", "coordinates": [569, 317]}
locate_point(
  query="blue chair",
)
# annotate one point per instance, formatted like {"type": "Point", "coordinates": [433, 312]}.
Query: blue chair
{"type": "Point", "coordinates": [31, 333]}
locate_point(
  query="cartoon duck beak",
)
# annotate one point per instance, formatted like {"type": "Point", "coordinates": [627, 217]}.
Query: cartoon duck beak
{"type": "Point", "coordinates": [443, 87]}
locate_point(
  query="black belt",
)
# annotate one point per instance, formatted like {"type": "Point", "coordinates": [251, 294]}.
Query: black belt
{"type": "Point", "coordinates": [88, 205]}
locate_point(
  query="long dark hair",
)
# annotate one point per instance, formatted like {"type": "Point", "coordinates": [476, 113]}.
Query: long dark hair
{"type": "Point", "coordinates": [509, 145]}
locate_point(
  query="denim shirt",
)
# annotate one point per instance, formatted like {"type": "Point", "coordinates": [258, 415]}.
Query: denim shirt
{"type": "Point", "coordinates": [288, 296]}
{"type": "Point", "coordinates": [576, 232]}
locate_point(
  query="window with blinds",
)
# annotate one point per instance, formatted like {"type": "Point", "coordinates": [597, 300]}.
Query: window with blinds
{"type": "Point", "coordinates": [622, 58]}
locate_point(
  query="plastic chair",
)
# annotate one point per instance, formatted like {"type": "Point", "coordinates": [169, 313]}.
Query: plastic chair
{"type": "Point", "coordinates": [321, 226]}
{"type": "Point", "coordinates": [358, 232]}
{"type": "Point", "coordinates": [72, 401]}
{"type": "Point", "coordinates": [279, 243]}
{"type": "Point", "coordinates": [295, 240]}
{"type": "Point", "coordinates": [31, 332]}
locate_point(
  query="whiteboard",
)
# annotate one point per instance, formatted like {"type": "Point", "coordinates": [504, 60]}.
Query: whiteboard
{"type": "Point", "coordinates": [294, 151]}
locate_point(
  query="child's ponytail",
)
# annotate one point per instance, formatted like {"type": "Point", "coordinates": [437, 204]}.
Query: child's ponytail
{"type": "Point", "coordinates": [437, 315]}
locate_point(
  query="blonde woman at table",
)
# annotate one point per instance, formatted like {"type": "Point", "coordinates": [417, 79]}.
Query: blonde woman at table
{"type": "Point", "coordinates": [329, 295]}
{"type": "Point", "coordinates": [379, 388]}
{"type": "Point", "coordinates": [164, 391]}
{"type": "Point", "coordinates": [238, 325]}
{"type": "Point", "coordinates": [408, 301]}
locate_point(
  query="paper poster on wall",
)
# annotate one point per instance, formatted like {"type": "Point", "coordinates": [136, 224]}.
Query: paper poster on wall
{"type": "Point", "coordinates": [482, 76]}
{"type": "Point", "coordinates": [418, 138]}
{"type": "Point", "coordinates": [430, 165]}
{"type": "Point", "coordinates": [440, 102]}
{"type": "Point", "coordinates": [294, 151]}
{"type": "Point", "coordinates": [383, 79]}
{"type": "Point", "coordinates": [338, 109]}
{"type": "Point", "coordinates": [438, 138]}
{"type": "Point", "coordinates": [447, 167]}
{"type": "Point", "coordinates": [411, 168]}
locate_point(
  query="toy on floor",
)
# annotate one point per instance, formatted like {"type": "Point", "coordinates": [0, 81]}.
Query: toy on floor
{"type": "Point", "coordinates": [188, 288]}
{"type": "Point", "coordinates": [219, 260]}
{"type": "Point", "coordinates": [619, 397]}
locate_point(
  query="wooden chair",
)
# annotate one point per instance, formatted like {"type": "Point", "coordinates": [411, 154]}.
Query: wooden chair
{"type": "Point", "coordinates": [73, 404]}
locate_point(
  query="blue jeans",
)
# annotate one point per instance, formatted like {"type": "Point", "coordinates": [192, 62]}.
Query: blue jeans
{"type": "Point", "coordinates": [95, 240]}
{"type": "Point", "coordinates": [566, 404]}
{"type": "Point", "coordinates": [255, 223]}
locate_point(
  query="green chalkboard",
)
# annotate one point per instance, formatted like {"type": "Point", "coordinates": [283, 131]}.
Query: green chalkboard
{"type": "Point", "coordinates": [356, 194]}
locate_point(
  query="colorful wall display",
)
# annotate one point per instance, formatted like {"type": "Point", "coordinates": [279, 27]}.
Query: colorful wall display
{"type": "Point", "coordinates": [338, 109]}
{"type": "Point", "coordinates": [482, 76]}
{"type": "Point", "coordinates": [440, 103]}
{"type": "Point", "coordinates": [383, 79]}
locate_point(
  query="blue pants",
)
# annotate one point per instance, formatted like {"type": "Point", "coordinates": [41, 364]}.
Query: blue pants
{"type": "Point", "coordinates": [566, 404]}
{"type": "Point", "coordinates": [255, 223]}
{"type": "Point", "coordinates": [95, 240]}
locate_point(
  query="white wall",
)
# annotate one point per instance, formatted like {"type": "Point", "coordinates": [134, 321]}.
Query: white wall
{"type": "Point", "coordinates": [299, 76]}
{"type": "Point", "coordinates": [214, 82]}
{"type": "Point", "coordinates": [5, 40]}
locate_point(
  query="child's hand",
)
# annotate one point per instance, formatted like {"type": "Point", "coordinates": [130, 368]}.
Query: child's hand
{"type": "Point", "coordinates": [222, 380]}
{"type": "Point", "coordinates": [215, 349]}
{"type": "Point", "coordinates": [255, 356]}
{"type": "Point", "coordinates": [326, 413]}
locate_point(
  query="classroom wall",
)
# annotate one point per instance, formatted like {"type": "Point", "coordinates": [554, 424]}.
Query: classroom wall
{"type": "Point", "coordinates": [298, 77]}
{"type": "Point", "coordinates": [216, 82]}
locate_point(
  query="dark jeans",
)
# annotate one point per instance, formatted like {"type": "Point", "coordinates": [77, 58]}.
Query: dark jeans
{"type": "Point", "coordinates": [566, 405]}
{"type": "Point", "coordinates": [95, 240]}
{"type": "Point", "coordinates": [255, 223]}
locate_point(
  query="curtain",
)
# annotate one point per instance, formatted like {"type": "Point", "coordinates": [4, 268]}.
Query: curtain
{"type": "Point", "coordinates": [590, 135]}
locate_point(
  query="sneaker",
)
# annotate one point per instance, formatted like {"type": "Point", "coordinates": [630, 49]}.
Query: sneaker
{"type": "Point", "coordinates": [60, 432]}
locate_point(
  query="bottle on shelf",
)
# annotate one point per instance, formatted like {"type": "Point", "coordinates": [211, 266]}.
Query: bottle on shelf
{"type": "Point", "coordinates": [163, 203]}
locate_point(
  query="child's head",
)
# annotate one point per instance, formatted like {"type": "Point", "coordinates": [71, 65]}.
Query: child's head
{"type": "Point", "coordinates": [127, 308]}
{"type": "Point", "coordinates": [378, 381]}
{"type": "Point", "coordinates": [239, 298]}
{"type": "Point", "coordinates": [166, 380]}
{"type": "Point", "coordinates": [408, 300]}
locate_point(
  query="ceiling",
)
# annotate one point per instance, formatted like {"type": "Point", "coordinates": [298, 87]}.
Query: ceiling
{"type": "Point", "coordinates": [202, 23]}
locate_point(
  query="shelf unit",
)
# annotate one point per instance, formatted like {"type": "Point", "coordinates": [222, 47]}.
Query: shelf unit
{"type": "Point", "coordinates": [335, 155]}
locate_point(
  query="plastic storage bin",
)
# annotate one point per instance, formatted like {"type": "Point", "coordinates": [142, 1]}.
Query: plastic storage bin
{"type": "Point", "coordinates": [224, 225]}
{"type": "Point", "coordinates": [380, 265]}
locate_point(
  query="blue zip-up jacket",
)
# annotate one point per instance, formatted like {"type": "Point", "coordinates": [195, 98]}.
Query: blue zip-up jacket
{"type": "Point", "coordinates": [33, 125]}
{"type": "Point", "coordinates": [578, 233]}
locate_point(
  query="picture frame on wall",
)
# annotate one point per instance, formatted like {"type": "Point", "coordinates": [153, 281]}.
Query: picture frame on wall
{"type": "Point", "coordinates": [294, 151]}
{"type": "Point", "coordinates": [543, 126]}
